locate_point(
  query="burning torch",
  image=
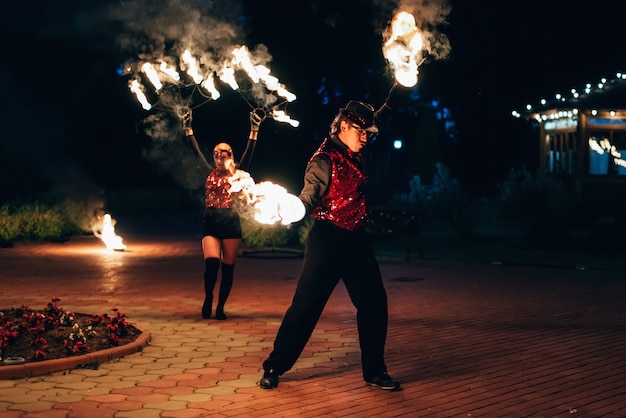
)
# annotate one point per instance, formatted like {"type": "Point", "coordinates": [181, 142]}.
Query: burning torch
{"type": "Point", "coordinates": [405, 47]}
{"type": "Point", "coordinates": [402, 48]}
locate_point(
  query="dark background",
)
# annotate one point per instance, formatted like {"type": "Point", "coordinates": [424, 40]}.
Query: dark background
{"type": "Point", "coordinates": [69, 124]}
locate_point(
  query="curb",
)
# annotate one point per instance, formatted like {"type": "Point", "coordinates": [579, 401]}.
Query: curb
{"type": "Point", "coordinates": [40, 368]}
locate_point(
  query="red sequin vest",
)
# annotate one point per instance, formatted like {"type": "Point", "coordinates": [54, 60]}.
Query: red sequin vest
{"type": "Point", "coordinates": [217, 191]}
{"type": "Point", "coordinates": [343, 204]}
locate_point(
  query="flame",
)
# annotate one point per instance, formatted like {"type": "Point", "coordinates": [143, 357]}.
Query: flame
{"type": "Point", "coordinates": [280, 116]}
{"type": "Point", "coordinates": [403, 48]}
{"type": "Point", "coordinates": [136, 87]}
{"type": "Point", "coordinates": [227, 75]}
{"type": "Point", "coordinates": [152, 75]}
{"type": "Point", "coordinates": [274, 204]}
{"type": "Point", "coordinates": [203, 70]}
{"type": "Point", "coordinates": [242, 59]}
{"type": "Point", "coordinates": [268, 202]}
{"type": "Point", "coordinates": [191, 67]}
{"type": "Point", "coordinates": [273, 84]}
{"type": "Point", "coordinates": [108, 236]}
{"type": "Point", "coordinates": [258, 73]}
{"type": "Point", "coordinates": [281, 91]}
{"type": "Point", "coordinates": [169, 71]}
{"type": "Point", "coordinates": [209, 85]}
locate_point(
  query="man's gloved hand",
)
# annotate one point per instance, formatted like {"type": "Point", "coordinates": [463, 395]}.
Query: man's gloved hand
{"type": "Point", "coordinates": [397, 95]}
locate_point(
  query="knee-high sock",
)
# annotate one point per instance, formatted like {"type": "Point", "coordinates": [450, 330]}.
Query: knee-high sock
{"type": "Point", "coordinates": [228, 271]}
{"type": "Point", "coordinates": [211, 266]}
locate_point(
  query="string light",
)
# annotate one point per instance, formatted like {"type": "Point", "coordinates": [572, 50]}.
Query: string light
{"type": "Point", "coordinates": [619, 77]}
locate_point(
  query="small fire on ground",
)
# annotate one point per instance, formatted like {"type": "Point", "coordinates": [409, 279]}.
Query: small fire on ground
{"type": "Point", "coordinates": [106, 232]}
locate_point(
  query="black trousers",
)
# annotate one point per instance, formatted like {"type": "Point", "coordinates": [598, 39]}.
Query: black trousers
{"type": "Point", "coordinates": [334, 254]}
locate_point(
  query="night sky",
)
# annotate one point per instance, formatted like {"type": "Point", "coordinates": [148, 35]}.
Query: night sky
{"type": "Point", "coordinates": [70, 124]}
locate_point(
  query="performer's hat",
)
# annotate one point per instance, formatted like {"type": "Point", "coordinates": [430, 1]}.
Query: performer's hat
{"type": "Point", "coordinates": [360, 113]}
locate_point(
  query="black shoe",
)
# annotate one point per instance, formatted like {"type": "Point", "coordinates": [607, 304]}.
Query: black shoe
{"type": "Point", "coordinates": [220, 315]}
{"type": "Point", "coordinates": [383, 381]}
{"type": "Point", "coordinates": [269, 380]}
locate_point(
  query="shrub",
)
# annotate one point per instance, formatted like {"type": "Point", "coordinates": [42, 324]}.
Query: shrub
{"type": "Point", "coordinates": [538, 203]}
{"type": "Point", "coordinates": [32, 222]}
{"type": "Point", "coordinates": [450, 202]}
{"type": "Point", "coordinates": [443, 199]}
{"type": "Point", "coordinates": [9, 226]}
{"type": "Point", "coordinates": [268, 236]}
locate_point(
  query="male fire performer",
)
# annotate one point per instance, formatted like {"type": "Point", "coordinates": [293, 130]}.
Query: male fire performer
{"type": "Point", "coordinates": [337, 248]}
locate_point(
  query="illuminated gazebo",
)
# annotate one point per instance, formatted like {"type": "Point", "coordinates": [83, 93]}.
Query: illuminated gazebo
{"type": "Point", "coordinates": [583, 134]}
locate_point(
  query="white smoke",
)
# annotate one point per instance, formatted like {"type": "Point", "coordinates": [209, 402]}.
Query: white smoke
{"type": "Point", "coordinates": [430, 17]}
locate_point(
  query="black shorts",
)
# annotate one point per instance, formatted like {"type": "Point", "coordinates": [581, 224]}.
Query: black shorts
{"type": "Point", "coordinates": [221, 223]}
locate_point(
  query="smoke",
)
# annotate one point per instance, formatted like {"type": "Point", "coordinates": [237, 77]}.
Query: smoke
{"type": "Point", "coordinates": [430, 16]}
{"type": "Point", "coordinates": [171, 154]}
{"type": "Point", "coordinates": [155, 29]}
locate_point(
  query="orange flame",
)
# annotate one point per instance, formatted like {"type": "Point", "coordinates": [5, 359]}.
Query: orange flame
{"type": "Point", "coordinates": [169, 70]}
{"type": "Point", "coordinates": [268, 202]}
{"type": "Point", "coordinates": [209, 85]}
{"type": "Point", "coordinates": [152, 75]}
{"type": "Point", "coordinates": [203, 70]}
{"type": "Point", "coordinates": [280, 116]}
{"type": "Point", "coordinates": [108, 236]}
{"type": "Point", "coordinates": [191, 66]}
{"type": "Point", "coordinates": [275, 204]}
{"type": "Point", "coordinates": [403, 48]}
{"type": "Point", "coordinates": [137, 88]}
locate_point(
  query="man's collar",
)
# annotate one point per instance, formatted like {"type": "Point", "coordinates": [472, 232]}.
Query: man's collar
{"type": "Point", "coordinates": [343, 147]}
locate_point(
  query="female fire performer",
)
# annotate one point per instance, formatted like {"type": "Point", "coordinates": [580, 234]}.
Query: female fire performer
{"type": "Point", "coordinates": [222, 226]}
{"type": "Point", "coordinates": [337, 249]}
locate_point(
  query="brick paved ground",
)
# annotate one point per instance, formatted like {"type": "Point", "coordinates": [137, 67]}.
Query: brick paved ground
{"type": "Point", "coordinates": [466, 338]}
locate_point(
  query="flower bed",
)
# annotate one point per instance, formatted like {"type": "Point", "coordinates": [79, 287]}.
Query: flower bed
{"type": "Point", "coordinates": [28, 335]}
